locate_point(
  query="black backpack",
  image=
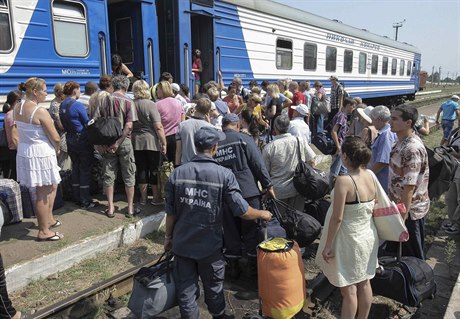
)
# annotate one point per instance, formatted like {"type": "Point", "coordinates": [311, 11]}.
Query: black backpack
{"type": "Point", "coordinates": [442, 166]}
{"type": "Point", "coordinates": [309, 182]}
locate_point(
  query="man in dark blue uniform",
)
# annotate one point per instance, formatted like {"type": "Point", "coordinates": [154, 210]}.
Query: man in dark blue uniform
{"type": "Point", "coordinates": [239, 153]}
{"type": "Point", "coordinates": [195, 194]}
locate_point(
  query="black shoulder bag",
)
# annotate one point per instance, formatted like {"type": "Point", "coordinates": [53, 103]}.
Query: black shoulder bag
{"type": "Point", "coordinates": [308, 181]}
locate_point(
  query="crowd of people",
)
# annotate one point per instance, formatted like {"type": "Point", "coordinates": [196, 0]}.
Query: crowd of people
{"type": "Point", "coordinates": [231, 147]}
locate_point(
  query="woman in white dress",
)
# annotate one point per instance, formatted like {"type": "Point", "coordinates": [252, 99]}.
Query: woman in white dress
{"type": "Point", "coordinates": [36, 156]}
{"type": "Point", "coordinates": [347, 253]}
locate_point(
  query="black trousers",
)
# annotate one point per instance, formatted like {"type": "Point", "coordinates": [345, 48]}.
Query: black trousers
{"type": "Point", "coordinates": [238, 231]}
{"type": "Point", "coordinates": [416, 243]}
{"type": "Point", "coordinates": [171, 147]}
{"type": "Point", "coordinates": [7, 310]}
{"type": "Point", "coordinates": [81, 153]}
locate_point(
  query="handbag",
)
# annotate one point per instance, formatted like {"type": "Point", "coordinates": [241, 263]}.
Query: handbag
{"type": "Point", "coordinates": [324, 143]}
{"type": "Point", "coordinates": [104, 130]}
{"type": "Point", "coordinates": [387, 216]}
{"type": "Point", "coordinates": [308, 181]}
{"type": "Point", "coordinates": [324, 106]}
{"type": "Point", "coordinates": [301, 227]}
{"type": "Point", "coordinates": [154, 290]}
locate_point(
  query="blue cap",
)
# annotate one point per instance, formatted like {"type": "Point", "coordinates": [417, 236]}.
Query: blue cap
{"type": "Point", "coordinates": [206, 137]}
{"type": "Point", "coordinates": [230, 118]}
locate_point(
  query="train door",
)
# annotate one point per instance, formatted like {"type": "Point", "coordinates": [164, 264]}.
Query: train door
{"type": "Point", "coordinates": [134, 36]}
{"type": "Point", "coordinates": [202, 39]}
{"type": "Point", "coordinates": [186, 25]}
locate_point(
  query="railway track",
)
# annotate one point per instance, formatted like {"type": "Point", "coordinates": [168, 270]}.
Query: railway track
{"type": "Point", "coordinates": [77, 305]}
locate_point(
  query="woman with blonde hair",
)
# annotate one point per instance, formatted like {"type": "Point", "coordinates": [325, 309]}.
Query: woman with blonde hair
{"type": "Point", "coordinates": [36, 158]}
{"type": "Point", "coordinates": [148, 138]}
{"type": "Point", "coordinates": [171, 113]}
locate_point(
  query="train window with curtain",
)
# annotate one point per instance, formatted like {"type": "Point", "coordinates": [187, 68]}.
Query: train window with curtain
{"type": "Point", "coordinates": [401, 67]}
{"type": "Point", "coordinates": [283, 54]}
{"type": "Point", "coordinates": [348, 61]}
{"type": "Point", "coordinates": [362, 62]}
{"type": "Point", "coordinates": [6, 40]}
{"type": "Point", "coordinates": [70, 28]}
{"type": "Point", "coordinates": [375, 64]}
{"type": "Point", "coordinates": [309, 56]}
{"type": "Point", "coordinates": [331, 59]}
{"type": "Point", "coordinates": [394, 62]}
{"type": "Point", "coordinates": [409, 64]}
{"type": "Point", "coordinates": [385, 65]}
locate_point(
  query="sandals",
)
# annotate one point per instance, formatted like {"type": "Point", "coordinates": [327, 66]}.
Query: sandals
{"type": "Point", "coordinates": [55, 237]}
{"type": "Point", "coordinates": [56, 224]}
{"type": "Point", "coordinates": [403, 313]}
{"type": "Point", "coordinates": [108, 214]}
{"type": "Point", "coordinates": [136, 211]}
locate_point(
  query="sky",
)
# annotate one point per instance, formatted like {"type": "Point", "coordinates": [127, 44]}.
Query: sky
{"type": "Point", "coordinates": [433, 26]}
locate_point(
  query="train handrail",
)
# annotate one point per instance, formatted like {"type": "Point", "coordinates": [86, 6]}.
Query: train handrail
{"type": "Point", "coordinates": [150, 61]}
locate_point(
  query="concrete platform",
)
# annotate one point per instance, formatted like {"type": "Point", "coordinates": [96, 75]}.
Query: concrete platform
{"type": "Point", "coordinates": [86, 233]}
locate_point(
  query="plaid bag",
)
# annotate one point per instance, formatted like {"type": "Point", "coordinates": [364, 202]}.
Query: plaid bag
{"type": "Point", "coordinates": [12, 194]}
{"type": "Point", "coordinates": [163, 174]}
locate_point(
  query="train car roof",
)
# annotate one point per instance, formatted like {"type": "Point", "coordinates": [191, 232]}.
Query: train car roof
{"type": "Point", "coordinates": [284, 11]}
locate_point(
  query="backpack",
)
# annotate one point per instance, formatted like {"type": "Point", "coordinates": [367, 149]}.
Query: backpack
{"type": "Point", "coordinates": [345, 93]}
{"type": "Point", "coordinates": [104, 130]}
{"type": "Point", "coordinates": [442, 166]}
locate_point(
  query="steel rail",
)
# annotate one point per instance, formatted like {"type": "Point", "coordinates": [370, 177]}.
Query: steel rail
{"type": "Point", "coordinates": [89, 292]}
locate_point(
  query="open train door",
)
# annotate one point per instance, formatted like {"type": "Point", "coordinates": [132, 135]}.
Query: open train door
{"type": "Point", "coordinates": [186, 25]}
{"type": "Point", "coordinates": [134, 36]}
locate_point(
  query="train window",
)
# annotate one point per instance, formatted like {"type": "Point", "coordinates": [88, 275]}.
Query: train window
{"type": "Point", "coordinates": [385, 65]}
{"type": "Point", "coordinates": [309, 56]}
{"type": "Point", "coordinates": [409, 64]}
{"type": "Point", "coordinates": [401, 67]}
{"type": "Point", "coordinates": [70, 28]}
{"type": "Point", "coordinates": [283, 54]}
{"type": "Point", "coordinates": [348, 61]}
{"type": "Point", "coordinates": [393, 66]}
{"type": "Point", "coordinates": [6, 40]}
{"type": "Point", "coordinates": [375, 64]}
{"type": "Point", "coordinates": [331, 59]}
{"type": "Point", "coordinates": [362, 62]}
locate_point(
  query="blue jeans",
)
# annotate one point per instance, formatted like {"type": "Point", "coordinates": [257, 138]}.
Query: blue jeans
{"type": "Point", "coordinates": [336, 168]}
{"type": "Point", "coordinates": [447, 126]}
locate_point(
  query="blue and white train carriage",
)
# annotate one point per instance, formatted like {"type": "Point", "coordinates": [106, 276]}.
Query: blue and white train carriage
{"type": "Point", "coordinates": [63, 40]}
{"type": "Point", "coordinates": [268, 40]}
